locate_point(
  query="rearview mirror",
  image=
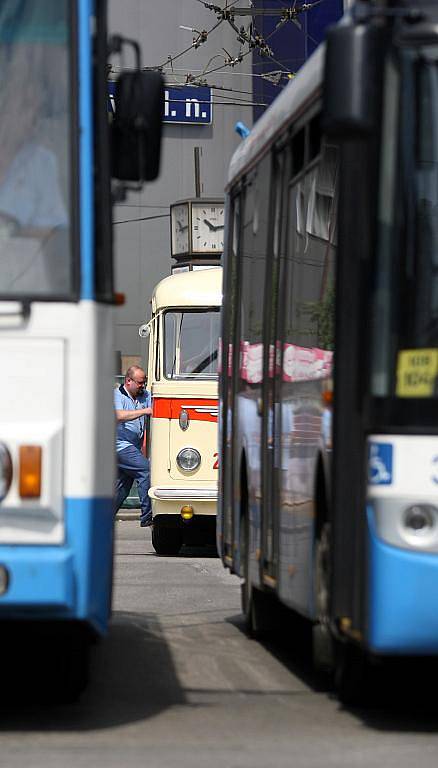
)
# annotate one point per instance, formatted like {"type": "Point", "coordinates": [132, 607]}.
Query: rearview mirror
{"type": "Point", "coordinates": [353, 80]}
{"type": "Point", "coordinates": [136, 127]}
{"type": "Point", "coordinates": [144, 331]}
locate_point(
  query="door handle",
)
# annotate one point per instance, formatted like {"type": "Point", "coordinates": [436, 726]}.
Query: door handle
{"type": "Point", "coordinates": [259, 406]}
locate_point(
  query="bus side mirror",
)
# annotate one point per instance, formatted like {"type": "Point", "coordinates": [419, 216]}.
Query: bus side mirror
{"type": "Point", "coordinates": [144, 331]}
{"type": "Point", "coordinates": [353, 80]}
{"type": "Point", "coordinates": [136, 126]}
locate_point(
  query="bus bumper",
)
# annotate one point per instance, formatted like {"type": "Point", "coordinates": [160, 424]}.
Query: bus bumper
{"type": "Point", "coordinates": [168, 500]}
{"type": "Point", "coordinates": [71, 581]}
{"type": "Point", "coordinates": [402, 598]}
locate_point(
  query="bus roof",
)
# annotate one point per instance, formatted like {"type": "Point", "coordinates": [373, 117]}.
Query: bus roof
{"type": "Point", "coordinates": [300, 92]}
{"type": "Point", "coordinates": [198, 288]}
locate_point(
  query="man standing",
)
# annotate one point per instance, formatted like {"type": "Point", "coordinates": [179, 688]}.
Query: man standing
{"type": "Point", "coordinates": [132, 403]}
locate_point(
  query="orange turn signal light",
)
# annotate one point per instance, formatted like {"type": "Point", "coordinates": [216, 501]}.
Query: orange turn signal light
{"type": "Point", "coordinates": [30, 458]}
{"type": "Point", "coordinates": [327, 392]}
{"type": "Point", "coordinates": [327, 397]}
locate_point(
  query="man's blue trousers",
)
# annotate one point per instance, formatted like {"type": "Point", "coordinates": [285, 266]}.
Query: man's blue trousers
{"type": "Point", "coordinates": [132, 465]}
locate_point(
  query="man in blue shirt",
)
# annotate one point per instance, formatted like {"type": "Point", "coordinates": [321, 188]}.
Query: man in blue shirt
{"type": "Point", "coordinates": [132, 403]}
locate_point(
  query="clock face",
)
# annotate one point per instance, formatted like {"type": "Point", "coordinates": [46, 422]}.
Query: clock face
{"type": "Point", "coordinates": [207, 227]}
{"type": "Point", "coordinates": [180, 228]}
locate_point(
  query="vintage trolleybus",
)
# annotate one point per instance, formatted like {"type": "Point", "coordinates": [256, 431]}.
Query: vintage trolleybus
{"type": "Point", "coordinates": [328, 433]}
{"type": "Point", "coordinates": [182, 375]}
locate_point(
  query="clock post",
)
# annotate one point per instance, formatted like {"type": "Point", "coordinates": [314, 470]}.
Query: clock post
{"type": "Point", "coordinates": [197, 232]}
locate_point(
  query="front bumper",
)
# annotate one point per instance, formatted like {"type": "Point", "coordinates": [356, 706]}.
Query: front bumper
{"type": "Point", "coordinates": [402, 598]}
{"type": "Point", "coordinates": [169, 500]}
{"type": "Point", "coordinates": [71, 581]}
{"type": "Point", "coordinates": [164, 493]}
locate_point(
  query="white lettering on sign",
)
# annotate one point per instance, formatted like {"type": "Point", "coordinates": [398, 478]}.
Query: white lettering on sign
{"type": "Point", "coordinates": [189, 104]}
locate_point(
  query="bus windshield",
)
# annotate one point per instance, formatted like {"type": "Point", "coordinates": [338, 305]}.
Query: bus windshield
{"type": "Point", "coordinates": [405, 291]}
{"type": "Point", "coordinates": [35, 94]}
{"type": "Point", "coordinates": [191, 344]}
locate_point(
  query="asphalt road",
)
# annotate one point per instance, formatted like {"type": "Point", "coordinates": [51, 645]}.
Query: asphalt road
{"type": "Point", "coordinates": [178, 683]}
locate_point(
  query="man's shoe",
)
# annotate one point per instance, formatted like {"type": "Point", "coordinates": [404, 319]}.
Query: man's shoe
{"type": "Point", "coordinates": [146, 523]}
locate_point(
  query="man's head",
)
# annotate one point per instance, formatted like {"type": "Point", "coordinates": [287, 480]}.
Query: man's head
{"type": "Point", "coordinates": [135, 380]}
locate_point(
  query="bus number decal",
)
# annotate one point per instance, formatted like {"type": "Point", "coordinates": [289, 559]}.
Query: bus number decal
{"type": "Point", "coordinates": [216, 463]}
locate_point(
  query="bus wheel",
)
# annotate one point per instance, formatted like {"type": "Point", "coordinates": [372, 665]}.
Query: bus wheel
{"type": "Point", "coordinates": [68, 663]}
{"type": "Point", "coordinates": [351, 673]}
{"type": "Point", "coordinates": [256, 606]}
{"type": "Point", "coordinates": [322, 638]}
{"type": "Point", "coordinates": [165, 540]}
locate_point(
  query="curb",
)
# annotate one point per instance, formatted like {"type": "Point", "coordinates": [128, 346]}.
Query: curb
{"type": "Point", "coordinates": [128, 514]}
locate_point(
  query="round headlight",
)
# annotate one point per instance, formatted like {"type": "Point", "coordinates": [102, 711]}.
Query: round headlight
{"type": "Point", "coordinates": [420, 519]}
{"type": "Point", "coordinates": [188, 459]}
{"type": "Point", "coordinates": [5, 471]}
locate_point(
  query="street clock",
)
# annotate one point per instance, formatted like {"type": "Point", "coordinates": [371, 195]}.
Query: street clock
{"type": "Point", "coordinates": [197, 228]}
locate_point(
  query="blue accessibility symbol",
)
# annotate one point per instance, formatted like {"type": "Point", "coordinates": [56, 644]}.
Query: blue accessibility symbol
{"type": "Point", "coordinates": [380, 464]}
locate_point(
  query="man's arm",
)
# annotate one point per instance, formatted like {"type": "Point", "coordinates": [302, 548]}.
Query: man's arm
{"type": "Point", "coordinates": [131, 415]}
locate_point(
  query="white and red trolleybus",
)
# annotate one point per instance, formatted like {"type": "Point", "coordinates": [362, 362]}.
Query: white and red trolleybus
{"type": "Point", "coordinates": [182, 376]}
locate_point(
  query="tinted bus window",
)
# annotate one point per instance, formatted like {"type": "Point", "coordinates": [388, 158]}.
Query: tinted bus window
{"type": "Point", "coordinates": [35, 98]}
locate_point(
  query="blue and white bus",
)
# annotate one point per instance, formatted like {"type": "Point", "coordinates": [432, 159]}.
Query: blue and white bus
{"type": "Point", "coordinates": [56, 305]}
{"type": "Point", "coordinates": [328, 482]}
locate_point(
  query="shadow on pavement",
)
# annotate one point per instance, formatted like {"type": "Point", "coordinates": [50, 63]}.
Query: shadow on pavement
{"type": "Point", "coordinates": [189, 550]}
{"type": "Point", "coordinates": [132, 677]}
{"type": "Point", "coordinates": [290, 642]}
{"type": "Point", "coordinates": [401, 695]}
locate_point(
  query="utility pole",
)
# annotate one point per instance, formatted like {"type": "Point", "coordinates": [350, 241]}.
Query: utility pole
{"type": "Point", "coordinates": [197, 164]}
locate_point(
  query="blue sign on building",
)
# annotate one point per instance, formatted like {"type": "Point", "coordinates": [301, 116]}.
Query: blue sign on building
{"type": "Point", "coordinates": [185, 104]}
{"type": "Point", "coordinates": [188, 104]}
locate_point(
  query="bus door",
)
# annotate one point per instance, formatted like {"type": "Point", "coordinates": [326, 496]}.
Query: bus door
{"type": "Point", "coordinates": [230, 367]}
{"type": "Point", "coordinates": [271, 431]}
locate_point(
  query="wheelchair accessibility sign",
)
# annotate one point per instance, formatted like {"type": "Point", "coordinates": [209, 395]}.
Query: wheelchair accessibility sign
{"type": "Point", "coordinates": [380, 464]}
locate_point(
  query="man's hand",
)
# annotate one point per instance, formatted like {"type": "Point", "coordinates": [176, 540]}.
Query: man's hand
{"type": "Point", "coordinates": [131, 415]}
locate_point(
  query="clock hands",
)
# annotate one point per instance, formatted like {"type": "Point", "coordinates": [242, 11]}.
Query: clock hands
{"type": "Point", "coordinates": [213, 227]}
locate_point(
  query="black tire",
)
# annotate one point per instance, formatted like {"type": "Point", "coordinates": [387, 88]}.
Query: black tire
{"type": "Point", "coordinates": [322, 639]}
{"type": "Point", "coordinates": [352, 672]}
{"type": "Point", "coordinates": [166, 540]}
{"type": "Point", "coordinates": [257, 607]}
{"type": "Point", "coordinates": [68, 664]}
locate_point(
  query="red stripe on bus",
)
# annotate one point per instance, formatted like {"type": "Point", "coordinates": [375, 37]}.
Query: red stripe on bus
{"type": "Point", "coordinates": [198, 410]}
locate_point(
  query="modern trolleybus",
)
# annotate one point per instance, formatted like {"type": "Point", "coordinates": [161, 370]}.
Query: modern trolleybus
{"type": "Point", "coordinates": [182, 376]}
{"type": "Point", "coordinates": [328, 475]}
{"type": "Point", "coordinates": [56, 297]}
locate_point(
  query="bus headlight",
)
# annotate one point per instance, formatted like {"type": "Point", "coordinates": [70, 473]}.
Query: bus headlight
{"type": "Point", "coordinates": [420, 520]}
{"type": "Point", "coordinates": [188, 459]}
{"type": "Point", "coordinates": [5, 471]}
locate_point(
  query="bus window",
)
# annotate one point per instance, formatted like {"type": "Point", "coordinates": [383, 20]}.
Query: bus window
{"type": "Point", "coordinates": [191, 344]}
{"type": "Point", "coordinates": [310, 272]}
{"type": "Point", "coordinates": [406, 280]}
{"type": "Point", "coordinates": [35, 250]}
{"type": "Point", "coordinates": [314, 137]}
{"type": "Point", "coordinates": [298, 151]}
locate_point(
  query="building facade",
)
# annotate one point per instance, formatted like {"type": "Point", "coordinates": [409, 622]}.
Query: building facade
{"type": "Point", "coordinates": [165, 30]}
